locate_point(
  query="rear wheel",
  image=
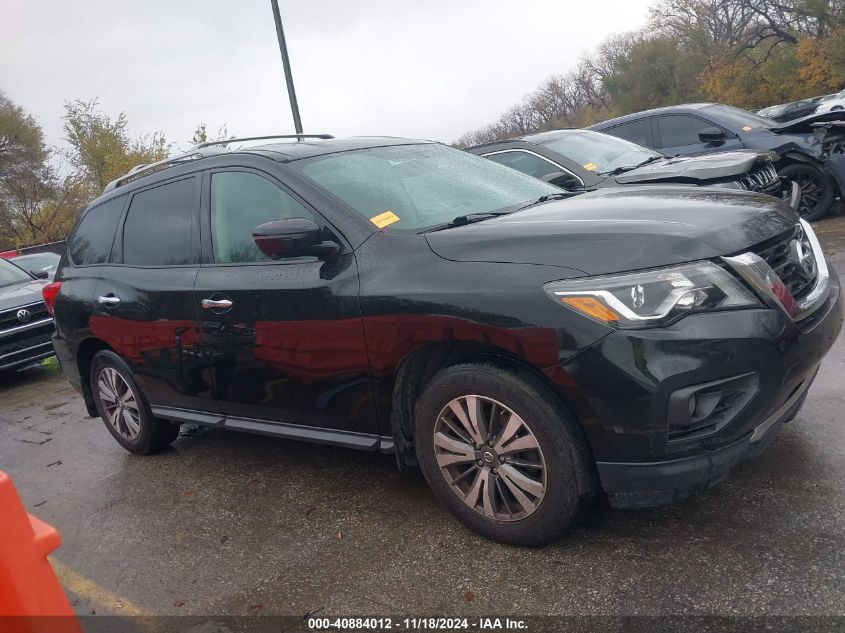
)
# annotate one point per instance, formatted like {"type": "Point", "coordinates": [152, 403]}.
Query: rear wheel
{"type": "Point", "coordinates": [501, 453]}
{"type": "Point", "coordinates": [817, 192]}
{"type": "Point", "coordinates": [124, 409]}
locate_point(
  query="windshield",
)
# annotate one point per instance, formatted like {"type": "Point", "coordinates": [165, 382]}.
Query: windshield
{"type": "Point", "coordinates": [599, 152]}
{"type": "Point", "coordinates": [738, 119]}
{"type": "Point", "coordinates": [38, 261]}
{"type": "Point", "coordinates": [421, 186]}
{"type": "Point", "coordinates": [11, 274]}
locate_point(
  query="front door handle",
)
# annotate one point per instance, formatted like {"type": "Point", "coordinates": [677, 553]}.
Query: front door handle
{"type": "Point", "coordinates": [110, 300]}
{"type": "Point", "coordinates": [216, 304]}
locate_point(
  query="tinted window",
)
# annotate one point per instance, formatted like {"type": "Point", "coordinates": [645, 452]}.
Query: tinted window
{"type": "Point", "coordinates": [158, 228]}
{"type": "Point", "coordinates": [680, 129]}
{"type": "Point", "coordinates": [635, 131]}
{"type": "Point", "coordinates": [91, 244]}
{"type": "Point", "coordinates": [240, 201]}
{"type": "Point", "coordinates": [530, 164]}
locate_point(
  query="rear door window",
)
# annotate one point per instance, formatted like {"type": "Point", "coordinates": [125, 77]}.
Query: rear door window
{"type": "Point", "coordinates": [92, 241]}
{"type": "Point", "coordinates": [160, 225]}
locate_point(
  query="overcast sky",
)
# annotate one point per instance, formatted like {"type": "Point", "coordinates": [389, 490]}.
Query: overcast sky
{"type": "Point", "coordinates": [421, 68]}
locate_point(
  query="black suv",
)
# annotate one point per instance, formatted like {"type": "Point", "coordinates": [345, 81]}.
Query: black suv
{"type": "Point", "coordinates": [587, 160]}
{"type": "Point", "coordinates": [25, 327]}
{"type": "Point", "coordinates": [812, 148]}
{"type": "Point", "coordinates": [527, 351]}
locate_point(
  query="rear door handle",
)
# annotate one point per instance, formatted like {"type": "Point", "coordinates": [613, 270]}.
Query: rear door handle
{"type": "Point", "coordinates": [110, 300]}
{"type": "Point", "coordinates": [216, 304]}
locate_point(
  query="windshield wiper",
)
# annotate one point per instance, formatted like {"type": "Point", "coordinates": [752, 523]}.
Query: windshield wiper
{"type": "Point", "coordinates": [622, 170]}
{"type": "Point", "coordinates": [559, 195]}
{"type": "Point", "coordinates": [469, 218]}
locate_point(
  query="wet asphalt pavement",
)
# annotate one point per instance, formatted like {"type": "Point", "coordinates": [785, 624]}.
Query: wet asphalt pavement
{"type": "Point", "coordinates": [229, 523]}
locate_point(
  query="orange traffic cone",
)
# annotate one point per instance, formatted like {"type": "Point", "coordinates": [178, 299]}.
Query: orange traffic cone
{"type": "Point", "coordinates": [31, 598]}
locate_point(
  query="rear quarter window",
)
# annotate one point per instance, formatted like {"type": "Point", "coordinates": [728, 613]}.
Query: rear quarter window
{"type": "Point", "coordinates": [92, 241]}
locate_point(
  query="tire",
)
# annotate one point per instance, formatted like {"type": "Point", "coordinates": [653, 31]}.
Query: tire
{"type": "Point", "coordinates": [817, 192]}
{"type": "Point", "coordinates": [129, 421]}
{"type": "Point", "coordinates": [566, 475]}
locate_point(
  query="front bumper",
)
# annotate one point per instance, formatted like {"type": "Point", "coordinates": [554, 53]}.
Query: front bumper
{"type": "Point", "coordinates": [625, 389]}
{"type": "Point", "coordinates": [657, 483]}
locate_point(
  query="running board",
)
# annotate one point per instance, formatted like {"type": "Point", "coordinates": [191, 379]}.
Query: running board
{"type": "Point", "coordinates": [332, 437]}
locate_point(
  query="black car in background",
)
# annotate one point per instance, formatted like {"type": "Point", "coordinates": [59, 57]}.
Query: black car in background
{"type": "Point", "coordinates": [26, 329]}
{"type": "Point", "coordinates": [587, 160]}
{"type": "Point", "coordinates": [526, 348]}
{"type": "Point", "coordinates": [812, 149]}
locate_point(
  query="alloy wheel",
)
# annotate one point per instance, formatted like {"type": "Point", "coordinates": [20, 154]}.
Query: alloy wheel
{"type": "Point", "coordinates": [490, 458]}
{"type": "Point", "coordinates": [119, 403]}
{"type": "Point", "coordinates": [812, 193]}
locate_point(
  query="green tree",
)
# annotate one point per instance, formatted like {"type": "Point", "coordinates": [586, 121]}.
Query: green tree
{"type": "Point", "coordinates": [201, 134]}
{"type": "Point", "coordinates": [655, 72]}
{"type": "Point", "coordinates": [35, 205]}
{"type": "Point", "coordinates": [101, 148]}
{"type": "Point", "coordinates": [21, 139]}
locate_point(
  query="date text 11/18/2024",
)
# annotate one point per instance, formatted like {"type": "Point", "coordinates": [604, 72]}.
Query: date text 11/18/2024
{"type": "Point", "coordinates": [415, 624]}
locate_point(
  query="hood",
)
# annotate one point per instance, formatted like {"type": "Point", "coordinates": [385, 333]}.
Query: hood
{"type": "Point", "coordinates": [617, 230]}
{"type": "Point", "coordinates": [805, 123]}
{"type": "Point", "coordinates": [698, 169]}
{"type": "Point", "coordinates": [20, 294]}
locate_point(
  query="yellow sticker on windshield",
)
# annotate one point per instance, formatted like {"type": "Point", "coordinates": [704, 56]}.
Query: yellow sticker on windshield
{"type": "Point", "coordinates": [590, 166]}
{"type": "Point", "coordinates": [384, 219]}
{"type": "Point", "coordinates": [746, 128]}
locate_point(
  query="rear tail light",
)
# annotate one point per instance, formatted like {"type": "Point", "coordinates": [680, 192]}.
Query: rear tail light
{"type": "Point", "coordinates": [49, 293]}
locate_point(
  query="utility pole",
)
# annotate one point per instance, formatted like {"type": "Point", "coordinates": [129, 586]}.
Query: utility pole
{"type": "Point", "coordinates": [280, 33]}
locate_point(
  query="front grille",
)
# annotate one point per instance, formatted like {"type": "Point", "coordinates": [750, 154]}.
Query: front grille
{"type": "Point", "coordinates": [9, 318]}
{"type": "Point", "coordinates": [763, 179]}
{"type": "Point", "coordinates": [781, 256]}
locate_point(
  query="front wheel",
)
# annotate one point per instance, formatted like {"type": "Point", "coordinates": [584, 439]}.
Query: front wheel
{"type": "Point", "coordinates": [501, 453]}
{"type": "Point", "coordinates": [124, 409]}
{"type": "Point", "coordinates": [817, 192]}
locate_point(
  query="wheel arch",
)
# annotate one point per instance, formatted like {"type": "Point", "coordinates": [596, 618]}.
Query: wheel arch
{"type": "Point", "coordinates": [420, 366]}
{"type": "Point", "coordinates": [85, 353]}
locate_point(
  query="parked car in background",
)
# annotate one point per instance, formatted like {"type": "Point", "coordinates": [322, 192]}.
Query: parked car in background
{"type": "Point", "coordinates": [42, 265]}
{"type": "Point", "coordinates": [812, 149]}
{"type": "Point", "coordinates": [585, 160]}
{"type": "Point", "coordinates": [26, 329]}
{"type": "Point", "coordinates": [789, 111]}
{"type": "Point", "coordinates": [525, 347]}
{"type": "Point", "coordinates": [836, 103]}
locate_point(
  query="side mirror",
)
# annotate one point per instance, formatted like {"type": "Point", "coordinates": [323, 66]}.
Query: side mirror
{"type": "Point", "coordinates": [562, 179]}
{"type": "Point", "coordinates": [292, 237]}
{"type": "Point", "coordinates": [711, 135]}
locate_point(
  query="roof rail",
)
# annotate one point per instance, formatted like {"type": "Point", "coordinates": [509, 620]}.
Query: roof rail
{"type": "Point", "coordinates": [298, 137]}
{"type": "Point", "coordinates": [139, 171]}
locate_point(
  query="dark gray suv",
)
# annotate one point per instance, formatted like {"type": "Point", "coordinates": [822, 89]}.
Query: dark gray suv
{"type": "Point", "coordinates": [25, 326]}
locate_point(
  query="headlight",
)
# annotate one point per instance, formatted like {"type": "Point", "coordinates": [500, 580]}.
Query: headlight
{"type": "Point", "coordinates": [652, 297]}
